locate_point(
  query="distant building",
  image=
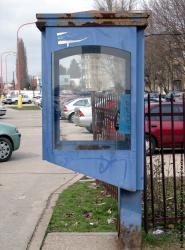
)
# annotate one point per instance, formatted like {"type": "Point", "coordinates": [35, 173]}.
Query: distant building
{"type": "Point", "coordinates": [36, 83]}
{"type": "Point", "coordinates": [64, 81]}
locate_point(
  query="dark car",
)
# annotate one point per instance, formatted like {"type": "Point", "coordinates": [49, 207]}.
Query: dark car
{"type": "Point", "coordinates": [8, 100]}
{"type": "Point", "coordinates": [167, 138]}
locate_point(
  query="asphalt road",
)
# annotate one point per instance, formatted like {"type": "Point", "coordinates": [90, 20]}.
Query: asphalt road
{"type": "Point", "coordinates": [26, 181]}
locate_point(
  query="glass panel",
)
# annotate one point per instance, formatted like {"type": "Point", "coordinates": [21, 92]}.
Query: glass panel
{"type": "Point", "coordinates": [92, 98]}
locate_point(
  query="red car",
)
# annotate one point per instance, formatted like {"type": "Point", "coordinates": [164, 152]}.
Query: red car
{"type": "Point", "coordinates": [167, 137]}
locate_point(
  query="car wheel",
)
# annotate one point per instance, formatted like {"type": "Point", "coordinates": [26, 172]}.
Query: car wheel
{"type": "Point", "coordinates": [5, 149]}
{"type": "Point", "coordinates": [71, 117]}
{"type": "Point", "coordinates": [147, 145]}
{"type": "Point", "coordinates": [89, 129]}
{"type": "Point", "coordinates": [29, 102]}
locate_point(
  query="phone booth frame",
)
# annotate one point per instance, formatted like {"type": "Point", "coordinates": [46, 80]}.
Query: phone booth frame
{"type": "Point", "coordinates": [96, 31]}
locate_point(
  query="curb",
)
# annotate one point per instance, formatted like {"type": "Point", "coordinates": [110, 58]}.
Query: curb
{"type": "Point", "coordinates": [37, 239]}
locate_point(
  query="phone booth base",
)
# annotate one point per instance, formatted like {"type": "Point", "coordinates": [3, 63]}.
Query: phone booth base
{"type": "Point", "coordinates": [130, 219]}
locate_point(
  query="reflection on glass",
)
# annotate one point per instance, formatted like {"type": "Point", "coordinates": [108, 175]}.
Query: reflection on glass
{"type": "Point", "coordinates": [90, 89]}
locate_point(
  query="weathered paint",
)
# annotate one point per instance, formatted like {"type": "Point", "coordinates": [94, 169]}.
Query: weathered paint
{"type": "Point", "coordinates": [92, 18]}
{"type": "Point", "coordinates": [94, 14]}
{"type": "Point", "coordinates": [99, 22]}
{"type": "Point", "coordinates": [130, 219]}
{"type": "Point", "coordinates": [130, 238]}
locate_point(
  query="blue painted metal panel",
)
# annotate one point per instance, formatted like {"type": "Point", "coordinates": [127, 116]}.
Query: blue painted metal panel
{"type": "Point", "coordinates": [115, 167]}
{"type": "Point", "coordinates": [130, 208]}
{"type": "Point", "coordinates": [140, 110]}
{"type": "Point", "coordinates": [130, 219]}
{"type": "Point", "coordinates": [125, 114]}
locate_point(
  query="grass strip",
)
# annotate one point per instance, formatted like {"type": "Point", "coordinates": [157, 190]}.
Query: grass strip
{"type": "Point", "coordinates": [30, 107]}
{"type": "Point", "coordinates": [84, 207]}
{"type": "Point", "coordinates": [87, 207]}
{"type": "Point", "coordinates": [166, 241]}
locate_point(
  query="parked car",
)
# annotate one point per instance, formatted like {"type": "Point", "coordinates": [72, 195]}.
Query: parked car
{"type": "Point", "coordinates": [177, 95]}
{"type": "Point", "coordinates": [14, 100]}
{"type": "Point", "coordinates": [8, 100]}
{"type": "Point", "coordinates": [9, 140]}
{"type": "Point", "coordinates": [68, 97]}
{"type": "Point", "coordinates": [64, 102]}
{"type": "Point", "coordinates": [152, 94]}
{"type": "Point", "coordinates": [26, 99]}
{"type": "Point", "coordinates": [154, 99]}
{"type": "Point", "coordinates": [37, 100]}
{"type": "Point", "coordinates": [166, 126]}
{"type": "Point", "coordinates": [2, 110]}
{"type": "Point", "coordinates": [83, 117]}
{"type": "Point", "coordinates": [68, 110]}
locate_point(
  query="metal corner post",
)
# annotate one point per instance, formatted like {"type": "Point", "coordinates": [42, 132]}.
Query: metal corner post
{"type": "Point", "coordinates": [130, 219]}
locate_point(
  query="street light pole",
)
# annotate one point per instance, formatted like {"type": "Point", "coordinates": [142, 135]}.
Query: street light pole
{"type": "Point", "coordinates": [1, 76]}
{"type": "Point", "coordinates": [11, 53]}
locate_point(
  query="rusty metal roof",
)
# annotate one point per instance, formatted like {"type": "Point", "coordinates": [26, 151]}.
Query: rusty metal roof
{"type": "Point", "coordinates": [92, 18]}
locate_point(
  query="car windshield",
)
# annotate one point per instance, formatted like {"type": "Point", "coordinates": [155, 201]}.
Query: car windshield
{"type": "Point", "coordinates": [69, 100]}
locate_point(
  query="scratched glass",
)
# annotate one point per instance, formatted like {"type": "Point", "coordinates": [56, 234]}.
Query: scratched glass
{"type": "Point", "coordinates": [92, 98]}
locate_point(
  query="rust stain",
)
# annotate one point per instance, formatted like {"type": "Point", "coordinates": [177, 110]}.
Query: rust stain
{"type": "Point", "coordinates": [71, 24]}
{"type": "Point", "coordinates": [98, 22]}
{"type": "Point", "coordinates": [41, 25]}
{"type": "Point", "coordinates": [93, 147]}
{"type": "Point", "coordinates": [109, 22]}
{"type": "Point", "coordinates": [104, 14]}
{"type": "Point", "coordinates": [130, 238]}
{"type": "Point", "coordinates": [92, 18]}
{"type": "Point", "coordinates": [69, 15]}
{"type": "Point", "coordinates": [95, 15]}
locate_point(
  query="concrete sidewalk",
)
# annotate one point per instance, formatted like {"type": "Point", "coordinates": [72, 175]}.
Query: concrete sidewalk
{"type": "Point", "coordinates": [68, 241]}
{"type": "Point", "coordinates": [81, 241]}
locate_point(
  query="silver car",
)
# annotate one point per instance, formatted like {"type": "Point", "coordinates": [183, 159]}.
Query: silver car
{"type": "Point", "coordinates": [83, 117]}
{"type": "Point", "coordinates": [69, 108]}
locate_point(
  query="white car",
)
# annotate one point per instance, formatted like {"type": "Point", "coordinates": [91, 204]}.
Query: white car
{"type": "Point", "coordinates": [37, 100]}
{"type": "Point", "coordinates": [2, 110]}
{"type": "Point", "coordinates": [14, 100]}
{"type": "Point", "coordinates": [26, 99]}
{"type": "Point", "coordinates": [83, 117]}
{"type": "Point", "coordinates": [69, 108]}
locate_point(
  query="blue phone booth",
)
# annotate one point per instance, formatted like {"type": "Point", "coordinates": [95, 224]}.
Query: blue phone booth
{"type": "Point", "coordinates": [93, 101]}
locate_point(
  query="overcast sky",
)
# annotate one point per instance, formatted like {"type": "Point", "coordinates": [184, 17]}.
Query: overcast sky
{"type": "Point", "coordinates": [17, 12]}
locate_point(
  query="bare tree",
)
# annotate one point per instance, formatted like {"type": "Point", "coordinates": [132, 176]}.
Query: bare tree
{"type": "Point", "coordinates": [105, 4]}
{"type": "Point", "coordinates": [115, 5]}
{"type": "Point", "coordinates": [158, 64]}
{"type": "Point", "coordinates": [155, 54]}
{"type": "Point", "coordinates": [23, 70]}
{"type": "Point", "coordinates": [170, 18]}
{"type": "Point", "coordinates": [164, 48]}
